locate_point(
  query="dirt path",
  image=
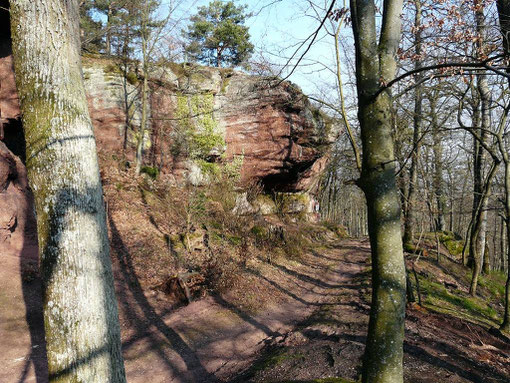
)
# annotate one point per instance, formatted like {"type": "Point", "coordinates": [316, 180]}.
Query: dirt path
{"type": "Point", "coordinates": [213, 339]}
{"type": "Point", "coordinates": [315, 329]}
{"type": "Point", "coordinates": [330, 342]}
{"type": "Point", "coordinates": [209, 340]}
{"type": "Point", "coordinates": [438, 348]}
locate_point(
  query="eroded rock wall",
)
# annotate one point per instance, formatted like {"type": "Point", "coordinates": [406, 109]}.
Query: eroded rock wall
{"type": "Point", "coordinates": [200, 117]}
{"type": "Point", "coordinates": [283, 141]}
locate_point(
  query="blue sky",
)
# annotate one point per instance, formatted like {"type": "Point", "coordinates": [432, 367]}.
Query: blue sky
{"type": "Point", "coordinates": [276, 28]}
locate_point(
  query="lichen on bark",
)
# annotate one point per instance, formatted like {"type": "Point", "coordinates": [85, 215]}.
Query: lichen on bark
{"type": "Point", "coordinates": [80, 310]}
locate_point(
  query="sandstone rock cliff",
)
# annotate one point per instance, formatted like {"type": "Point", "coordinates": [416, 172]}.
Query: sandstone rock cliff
{"type": "Point", "coordinates": [204, 115]}
{"type": "Point", "coordinates": [200, 117]}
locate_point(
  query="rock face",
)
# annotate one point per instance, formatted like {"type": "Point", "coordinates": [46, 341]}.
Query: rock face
{"type": "Point", "coordinates": [284, 141]}
{"type": "Point", "coordinates": [202, 116]}
{"type": "Point", "coordinates": [16, 212]}
{"type": "Point", "coordinates": [17, 221]}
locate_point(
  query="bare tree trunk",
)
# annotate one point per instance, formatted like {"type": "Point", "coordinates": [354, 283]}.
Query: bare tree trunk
{"type": "Point", "coordinates": [504, 21]}
{"type": "Point", "coordinates": [143, 124]}
{"type": "Point", "coordinates": [80, 309]}
{"type": "Point", "coordinates": [503, 245]}
{"type": "Point", "coordinates": [108, 36]}
{"type": "Point", "coordinates": [410, 219]}
{"type": "Point", "coordinates": [479, 229]}
{"type": "Point", "coordinates": [376, 65]}
{"type": "Point", "coordinates": [506, 317]}
{"type": "Point", "coordinates": [438, 167]}
{"type": "Point", "coordinates": [145, 92]}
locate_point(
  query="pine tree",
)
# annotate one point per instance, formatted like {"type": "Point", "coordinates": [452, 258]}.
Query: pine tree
{"type": "Point", "coordinates": [112, 9]}
{"type": "Point", "coordinates": [91, 31]}
{"type": "Point", "coordinates": [217, 35]}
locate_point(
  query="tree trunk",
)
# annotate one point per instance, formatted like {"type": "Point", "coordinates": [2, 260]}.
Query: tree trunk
{"type": "Point", "coordinates": [145, 94]}
{"type": "Point", "coordinates": [383, 353]}
{"type": "Point", "coordinates": [80, 309]}
{"type": "Point", "coordinates": [479, 229]}
{"type": "Point", "coordinates": [486, 264]}
{"type": "Point", "coordinates": [108, 36]}
{"type": "Point", "coordinates": [410, 219]}
{"type": "Point", "coordinates": [376, 65]}
{"type": "Point", "coordinates": [143, 124]}
{"type": "Point", "coordinates": [504, 21]}
{"type": "Point", "coordinates": [505, 326]}
{"type": "Point", "coordinates": [438, 167]}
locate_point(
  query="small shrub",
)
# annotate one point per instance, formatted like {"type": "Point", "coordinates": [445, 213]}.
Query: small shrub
{"type": "Point", "coordinates": [209, 168]}
{"type": "Point", "coordinates": [112, 68]}
{"type": "Point", "coordinates": [151, 171]}
{"type": "Point", "coordinates": [253, 190]}
{"type": "Point", "coordinates": [132, 78]}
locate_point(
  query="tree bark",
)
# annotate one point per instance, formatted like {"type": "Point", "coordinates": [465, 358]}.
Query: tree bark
{"type": "Point", "coordinates": [504, 22]}
{"type": "Point", "coordinates": [438, 167]}
{"type": "Point", "coordinates": [108, 35]}
{"type": "Point", "coordinates": [410, 219]}
{"type": "Point", "coordinates": [479, 228]}
{"type": "Point", "coordinates": [145, 91]}
{"type": "Point", "coordinates": [505, 326]}
{"type": "Point", "coordinates": [80, 309]}
{"type": "Point", "coordinates": [375, 66]}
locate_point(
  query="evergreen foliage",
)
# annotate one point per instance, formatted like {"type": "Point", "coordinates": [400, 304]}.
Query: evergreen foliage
{"type": "Point", "coordinates": [90, 29]}
{"type": "Point", "coordinates": [217, 35]}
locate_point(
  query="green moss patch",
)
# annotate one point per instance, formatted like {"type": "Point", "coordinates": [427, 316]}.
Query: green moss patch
{"type": "Point", "coordinates": [197, 128]}
{"type": "Point", "coordinates": [439, 299]}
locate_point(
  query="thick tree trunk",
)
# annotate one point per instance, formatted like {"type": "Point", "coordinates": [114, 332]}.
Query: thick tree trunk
{"type": "Point", "coordinates": [505, 326]}
{"type": "Point", "coordinates": [383, 354]}
{"type": "Point", "coordinates": [376, 65]}
{"type": "Point", "coordinates": [504, 21]}
{"type": "Point", "coordinates": [80, 309]}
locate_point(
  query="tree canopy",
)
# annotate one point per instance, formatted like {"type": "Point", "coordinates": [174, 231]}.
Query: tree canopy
{"type": "Point", "coordinates": [217, 36]}
{"type": "Point", "coordinates": [90, 29]}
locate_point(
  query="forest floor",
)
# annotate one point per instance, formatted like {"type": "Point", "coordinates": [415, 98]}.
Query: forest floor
{"type": "Point", "coordinates": [310, 324]}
